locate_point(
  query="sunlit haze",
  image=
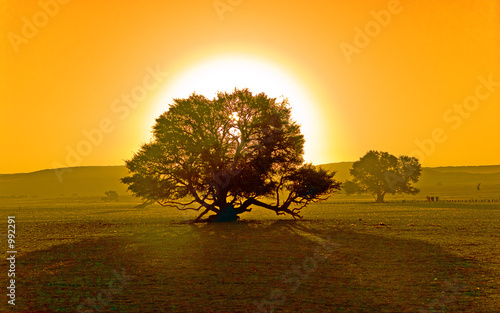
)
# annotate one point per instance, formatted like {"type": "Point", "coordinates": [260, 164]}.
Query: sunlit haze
{"type": "Point", "coordinates": [225, 73]}
{"type": "Point", "coordinates": [82, 82]}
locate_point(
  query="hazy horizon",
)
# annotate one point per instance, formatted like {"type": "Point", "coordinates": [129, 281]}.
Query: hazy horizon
{"type": "Point", "coordinates": [50, 169]}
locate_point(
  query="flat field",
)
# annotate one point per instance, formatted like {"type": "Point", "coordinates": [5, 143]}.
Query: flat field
{"type": "Point", "coordinates": [83, 255]}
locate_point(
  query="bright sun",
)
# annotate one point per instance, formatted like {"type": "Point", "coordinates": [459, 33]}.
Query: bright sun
{"type": "Point", "coordinates": [226, 73]}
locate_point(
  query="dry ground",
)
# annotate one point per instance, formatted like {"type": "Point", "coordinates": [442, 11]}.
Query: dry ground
{"type": "Point", "coordinates": [80, 254]}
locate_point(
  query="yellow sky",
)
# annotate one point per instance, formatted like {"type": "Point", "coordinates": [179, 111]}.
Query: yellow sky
{"type": "Point", "coordinates": [81, 81]}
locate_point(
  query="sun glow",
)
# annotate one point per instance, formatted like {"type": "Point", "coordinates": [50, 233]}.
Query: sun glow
{"type": "Point", "coordinates": [230, 72]}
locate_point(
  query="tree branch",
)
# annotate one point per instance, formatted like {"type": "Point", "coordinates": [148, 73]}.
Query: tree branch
{"type": "Point", "coordinates": [280, 210]}
{"type": "Point", "coordinates": [201, 215]}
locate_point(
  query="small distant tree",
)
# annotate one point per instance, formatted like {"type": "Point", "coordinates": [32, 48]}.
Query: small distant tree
{"type": "Point", "coordinates": [111, 195]}
{"type": "Point", "coordinates": [225, 156]}
{"type": "Point", "coordinates": [379, 173]}
{"type": "Point", "coordinates": [351, 188]}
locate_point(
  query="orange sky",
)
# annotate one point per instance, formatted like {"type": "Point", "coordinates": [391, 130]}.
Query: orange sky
{"type": "Point", "coordinates": [407, 77]}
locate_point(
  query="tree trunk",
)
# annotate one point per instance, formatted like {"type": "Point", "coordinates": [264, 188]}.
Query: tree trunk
{"type": "Point", "coordinates": [227, 214]}
{"type": "Point", "coordinates": [380, 197]}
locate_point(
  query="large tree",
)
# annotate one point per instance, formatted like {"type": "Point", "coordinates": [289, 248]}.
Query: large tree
{"type": "Point", "coordinates": [379, 173]}
{"type": "Point", "coordinates": [225, 156]}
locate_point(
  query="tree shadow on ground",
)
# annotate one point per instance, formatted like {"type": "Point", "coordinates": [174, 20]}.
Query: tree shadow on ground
{"type": "Point", "coordinates": [287, 266]}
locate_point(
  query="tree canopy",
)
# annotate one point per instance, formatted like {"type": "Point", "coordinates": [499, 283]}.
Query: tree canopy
{"type": "Point", "coordinates": [379, 173]}
{"type": "Point", "coordinates": [226, 156]}
{"type": "Point", "coordinates": [111, 195]}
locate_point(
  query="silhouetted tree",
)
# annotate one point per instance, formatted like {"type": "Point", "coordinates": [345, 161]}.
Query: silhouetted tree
{"type": "Point", "coordinates": [379, 173]}
{"type": "Point", "coordinates": [111, 195]}
{"type": "Point", "coordinates": [226, 156]}
{"type": "Point", "coordinates": [351, 188]}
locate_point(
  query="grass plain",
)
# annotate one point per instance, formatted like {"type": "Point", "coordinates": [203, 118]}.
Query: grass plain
{"type": "Point", "coordinates": [82, 255]}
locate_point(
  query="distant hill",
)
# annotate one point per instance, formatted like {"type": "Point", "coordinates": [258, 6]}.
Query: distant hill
{"type": "Point", "coordinates": [81, 181]}
{"type": "Point", "coordinates": [482, 169]}
{"type": "Point", "coordinates": [95, 180]}
{"type": "Point", "coordinates": [437, 176]}
{"type": "Point", "coordinates": [342, 169]}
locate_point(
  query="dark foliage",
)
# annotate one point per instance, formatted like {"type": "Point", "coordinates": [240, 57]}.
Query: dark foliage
{"type": "Point", "coordinates": [225, 155]}
{"type": "Point", "coordinates": [379, 173]}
